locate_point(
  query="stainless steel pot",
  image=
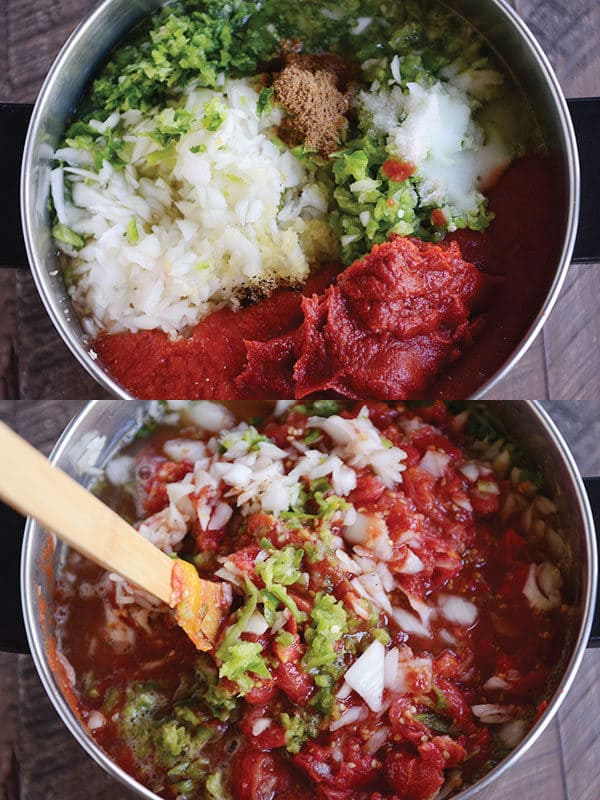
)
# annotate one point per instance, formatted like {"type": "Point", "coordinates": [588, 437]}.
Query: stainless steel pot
{"type": "Point", "coordinates": [110, 21]}
{"type": "Point", "coordinates": [116, 420]}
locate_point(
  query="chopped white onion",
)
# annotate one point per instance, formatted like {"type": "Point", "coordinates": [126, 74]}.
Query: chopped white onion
{"type": "Point", "coordinates": [390, 672]}
{"type": "Point", "coordinates": [184, 450]}
{"type": "Point", "coordinates": [457, 609]}
{"type": "Point", "coordinates": [96, 720]}
{"type": "Point", "coordinates": [542, 587]}
{"type": "Point", "coordinates": [470, 471]}
{"type": "Point", "coordinates": [408, 623]}
{"type": "Point", "coordinates": [511, 733]}
{"type": "Point", "coordinates": [377, 739]}
{"type": "Point", "coordinates": [220, 516]}
{"type": "Point", "coordinates": [119, 470]}
{"type": "Point", "coordinates": [260, 726]}
{"type": "Point", "coordinates": [435, 462]}
{"type": "Point", "coordinates": [495, 683]}
{"type": "Point", "coordinates": [411, 564]}
{"type": "Point", "coordinates": [493, 714]}
{"type": "Point", "coordinates": [349, 717]}
{"type": "Point", "coordinates": [213, 417]}
{"type": "Point", "coordinates": [256, 624]}
{"type": "Point", "coordinates": [365, 676]}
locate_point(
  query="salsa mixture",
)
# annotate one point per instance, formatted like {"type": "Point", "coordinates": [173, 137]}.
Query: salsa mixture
{"type": "Point", "coordinates": [398, 615]}
{"type": "Point", "coordinates": [240, 178]}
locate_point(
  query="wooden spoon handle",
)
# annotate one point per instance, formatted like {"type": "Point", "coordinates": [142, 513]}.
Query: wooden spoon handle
{"type": "Point", "coordinates": [32, 485]}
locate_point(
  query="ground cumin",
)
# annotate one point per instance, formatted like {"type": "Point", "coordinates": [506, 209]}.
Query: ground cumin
{"type": "Point", "coordinates": [311, 89]}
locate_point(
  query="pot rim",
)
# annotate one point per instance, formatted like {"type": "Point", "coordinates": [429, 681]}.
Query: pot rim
{"type": "Point", "coordinates": [59, 318]}
{"type": "Point", "coordinates": [35, 635]}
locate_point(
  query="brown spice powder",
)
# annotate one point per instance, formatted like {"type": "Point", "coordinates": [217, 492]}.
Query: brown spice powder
{"type": "Point", "coordinates": [310, 89]}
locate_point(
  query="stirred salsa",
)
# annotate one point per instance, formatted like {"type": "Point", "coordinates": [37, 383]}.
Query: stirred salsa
{"type": "Point", "coordinates": [398, 614]}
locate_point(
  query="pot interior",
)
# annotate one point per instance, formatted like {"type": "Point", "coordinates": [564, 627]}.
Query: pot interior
{"type": "Point", "coordinates": [494, 352]}
{"type": "Point", "coordinates": [117, 422]}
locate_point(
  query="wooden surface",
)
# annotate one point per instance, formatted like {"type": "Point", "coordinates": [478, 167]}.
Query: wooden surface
{"type": "Point", "coordinates": [563, 363]}
{"type": "Point", "coordinates": [40, 761]}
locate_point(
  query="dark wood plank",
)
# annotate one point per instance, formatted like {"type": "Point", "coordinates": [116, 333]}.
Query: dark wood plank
{"type": "Point", "coordinates": [46, 367]}
{"type": "Point", "coordinates": [579, 720]}
{"type": "Point", "coordinates": [526, 381]}
{"type": "Point", "coordinates": [9, 388]}
{"type": "Point", "coordinates": [52, 765]}
{"type": "Point", "coordinates": [33, 34]}
{"type": "Point", "coordinates": [543, 760]}
{"type": "Point", "coordinates": [36, 30]}
{"type": "Point", "coordinates": [580, 731]}
{"type": "Point", "coordinates": [572, 337]}
{"type": "Point", "coordinates": [9, 789]}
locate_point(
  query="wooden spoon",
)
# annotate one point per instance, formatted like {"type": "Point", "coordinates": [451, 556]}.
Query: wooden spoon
{"type": "Point", "coordinates": [33, 486]}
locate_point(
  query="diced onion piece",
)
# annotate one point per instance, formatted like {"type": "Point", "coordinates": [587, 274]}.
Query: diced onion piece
{"type": "Point", "coordinates": [488, 487]}
{"type": "Point", "coordinates": [281, 406]}
{"type": "Point", "coordinates": [493, 714]}
{"type": "Point", "coordinates": [220, 516]}
{"type": "Point", "coordinates": [390, 672]}
{"type": "Point", "coordinates": [349, 717]}
{"type": "Point", "coordinates": [96, 720]}
{"type": "Point", "coordinates": [256, 624]}
{"type": "Point", "coordinates": [495, 683]}
{"type": "Point", "coordinates": [371, 531]}
{"type": "Point", "coordinates": [435, 462]}
{"type": "Point", "coordinates": [411, 564]}
{"type": "Point", "coordinates": [458, 610]}
{"type": "Point", "coordinates": [377, 739]}
{"type": "Point", "coordinates": [544, 505]}
{"type": "Point", "coordinates": [184, 450]}
{"type": "Point", "coordinates": [511, 733]}
{"type": "Point", "coordinates": [470, 471]}
{"type": "Point", "coordinates": [542, 587]}
{"type": "Point", "coordinates": [408, 623]}
{"type": "Point", "coordinates": [260, 726]}
{"type": "Point", "coordinates": [344, 691]}
{"type": "Point", "coordinates": [365, 676]}
{"type": "Point", "coordinates": [347, 563]}
{"type": "Point", "coordinates": [235, 474]}
{"type": "Point", "coordinates": [119, 470]}
{"type": "Point", "coordinates": [212, 417]}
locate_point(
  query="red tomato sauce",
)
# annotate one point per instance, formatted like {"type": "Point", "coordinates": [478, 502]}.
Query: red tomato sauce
{"type": "Point", "coordinates": [251, 353]}
{"type": "Point", "coordinates": [471, 547]}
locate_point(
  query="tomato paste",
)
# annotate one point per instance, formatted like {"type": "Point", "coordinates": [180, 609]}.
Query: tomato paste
{"type": "Point", "coordinates": [375, 333]}
{"type": "Point", "coordinates": [390, 322]}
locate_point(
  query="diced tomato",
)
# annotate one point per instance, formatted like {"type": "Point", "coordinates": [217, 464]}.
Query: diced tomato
{"type": "Point", "coordinates": [261, 693]}
{"type": "Point", "coordinates": [426, 439]}
{"type": "Point", "coordinates": [153, 475]}
{"type": "Point", "coordinates": [262, 738]}
{"type": "Point", "coordinates": [484, 503]}
{"type": "Point", "coordinates": [356, 769]}
{"type": "Point", "coordinates": [245, 558]}
{"type": "Point", "coordinates": [513, 547]}
{"type": "Point", "coordinates": [458, 709]}
{"type": "Point", "coordinates": [417, 777]}
{"type": "Point", "coordinates": [368, 490]}
{"type": "Point", "coordinates": [291, 652]}
{"type": "Point", "coordinates": [398, 171]}
{"type": "Point", "coordinates": [438, 218]}
{"type": "Point", "coordinates": [296, 684]}
{"type": "Point", "coordinates": [257, 775]}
